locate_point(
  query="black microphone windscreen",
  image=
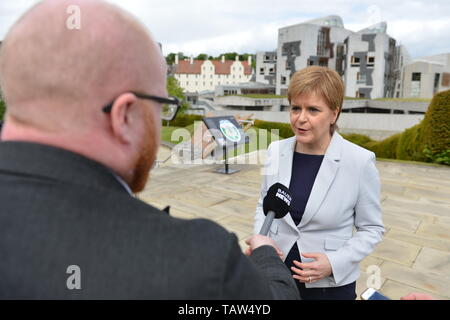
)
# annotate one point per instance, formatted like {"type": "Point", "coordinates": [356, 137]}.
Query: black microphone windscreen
{"type": "Point", "coordinates": [278, 199]}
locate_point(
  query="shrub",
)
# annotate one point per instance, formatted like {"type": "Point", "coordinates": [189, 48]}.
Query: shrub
{"type": "Point", "coordinates": [386, 148]}
{"type": "Point", "coordinates": [436, 127]}
{"type": "Point", "coordinates": [410, 145]}
{"type": "Point", "coordinates": [284, 129]}
{"type": "Point", "coordinates": [359, 139]}
{"type": "Point", "coordinates": [183, 120]}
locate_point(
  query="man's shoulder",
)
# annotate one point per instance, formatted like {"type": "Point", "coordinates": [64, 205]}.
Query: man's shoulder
{"type": "Point", "coordinates": [196, 231]}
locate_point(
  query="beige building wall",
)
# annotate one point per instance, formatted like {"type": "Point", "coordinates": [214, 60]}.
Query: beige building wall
{"type": "Point", "coordinates": [208, 78]}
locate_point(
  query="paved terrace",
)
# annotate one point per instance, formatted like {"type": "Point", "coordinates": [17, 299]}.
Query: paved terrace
{"type": "Point", "coordinates": [414, 255]}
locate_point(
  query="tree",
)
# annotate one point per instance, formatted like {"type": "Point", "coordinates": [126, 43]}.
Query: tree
{"type": "Point", "coordinates": [202, 56]}
{"type": "Point", "coordinates": [174, 90]}
{"type": "Point", "coordinates": [170, 59]}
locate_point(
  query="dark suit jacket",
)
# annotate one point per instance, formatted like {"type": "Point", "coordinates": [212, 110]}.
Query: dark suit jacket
{"type": "Point", "coordinates": [60, 209]}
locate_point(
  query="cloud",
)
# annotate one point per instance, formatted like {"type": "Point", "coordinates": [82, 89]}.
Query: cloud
{"type": "Point", "coordinates": [213, 27]}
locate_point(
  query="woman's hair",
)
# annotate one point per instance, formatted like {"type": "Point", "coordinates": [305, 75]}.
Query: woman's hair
{"type": "Point", "coordinates": [322, 81]}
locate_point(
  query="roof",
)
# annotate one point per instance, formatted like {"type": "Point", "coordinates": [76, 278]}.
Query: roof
{"type": "Point", "coordinates": [185, 67]}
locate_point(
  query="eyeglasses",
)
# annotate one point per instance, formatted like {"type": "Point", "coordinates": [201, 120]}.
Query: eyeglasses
{"type": "Point", "coordinates": [169, 109]}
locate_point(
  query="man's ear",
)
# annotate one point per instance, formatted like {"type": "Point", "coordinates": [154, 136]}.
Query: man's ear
{"type": "Point", "coordinates": [121, 120]}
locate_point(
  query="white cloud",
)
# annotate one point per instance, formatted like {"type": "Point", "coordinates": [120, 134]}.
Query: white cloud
{"type": "Point", "coordinates": [213, 27]}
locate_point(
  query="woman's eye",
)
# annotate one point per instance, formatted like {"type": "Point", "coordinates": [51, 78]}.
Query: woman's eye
{"type": "Point", "coordinates": [312, 109]}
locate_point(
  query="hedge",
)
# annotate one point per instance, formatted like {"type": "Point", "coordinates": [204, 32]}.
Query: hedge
{"type": "Point", "coordinates": [435, 132]}
{"type": "Point", "coordinates": [386, 148]}
{"type": "Point", "coordinates": [428, 141]}
{"type": "Point", "coordinates": [410, 145]}
{"type": "Point", "coordinates": [284, 129]}
{"type": "Point", "coordinates": [183, 120]}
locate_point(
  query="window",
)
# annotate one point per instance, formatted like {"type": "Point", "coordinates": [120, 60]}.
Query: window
{"type": "Point", "coordinates": [415, 76]}
{"type": "Point", "coordinates": [370, 61]}
{"type": "Point", "coordinates": [355, 61]}
{"type": "Point", "coordinates": [271, 71]}
{"type": "Point", "coordinates": [445, 79]}
{"type": "Point", "coordinates": [415, 89]}
{"type": "Point", "coordinates": [360, 78]}
{"type": "Point", "coordinates": [436, 79]}
{"type": "Point", "coordinates": [261, 70]}
{"type": "Point", "coordinates": [283, 80]}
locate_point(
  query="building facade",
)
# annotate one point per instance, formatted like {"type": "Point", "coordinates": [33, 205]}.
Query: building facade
{"type": "Point", "coordinates": [198, 75]}
{"type": "Point", "coordinates": [368, 60]}
{"type": "Point", "coordinates": [369, 63]}
{"type": "Point", "coordinates": [316, 42]}
{"type": "Point", "coordinates": [266, 71]}
{"type": "Point", "coordinates": [424, 77]}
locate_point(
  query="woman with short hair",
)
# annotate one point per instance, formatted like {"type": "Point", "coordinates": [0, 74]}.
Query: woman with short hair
{"type": "Point", "coordinates": [335, 187]}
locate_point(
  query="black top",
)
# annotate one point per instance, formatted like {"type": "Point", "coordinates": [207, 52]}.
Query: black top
{"type": "Point", "coordinates": [304, 171]}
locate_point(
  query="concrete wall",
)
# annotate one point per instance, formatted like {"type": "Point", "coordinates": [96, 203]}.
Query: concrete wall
{"type": "Point", "coordinates": [348, 104]}
{"type": "Point", "coordinates": [376, 126]}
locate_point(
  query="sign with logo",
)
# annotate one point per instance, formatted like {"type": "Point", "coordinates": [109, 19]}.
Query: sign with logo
{"type": "Point", "coordinates": [230, 131]}
{"type": "Point", "coordinates": [225, 130]}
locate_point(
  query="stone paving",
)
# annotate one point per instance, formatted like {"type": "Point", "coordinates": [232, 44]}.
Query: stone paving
{"type": "Point", "coordinates": [414, 255]}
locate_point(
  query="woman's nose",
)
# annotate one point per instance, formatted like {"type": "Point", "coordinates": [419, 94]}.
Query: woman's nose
{"type": "Point", "coordinates": [302, 117]}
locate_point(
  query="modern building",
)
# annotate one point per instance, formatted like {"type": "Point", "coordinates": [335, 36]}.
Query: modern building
{"type": "Point", "coordinates": [369, 63]}
{"type": "Point", "coordinates": [368, 60]}
{"type": "Point", "coordinates": [424, 77]}
{"type": "Point", "coordinates": [316, 42]}
{"type": "Point", "coordinates": [246, 88]}
{"type": "Point", "coordinates": [266, 62]}
{"type": "Point", "coordinates": [401, 59]}
{"type": "Point", "coordinates": [204, 75]}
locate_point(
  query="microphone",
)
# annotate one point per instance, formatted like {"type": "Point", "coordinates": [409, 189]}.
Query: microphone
{"type": "Point", "coordinates": [276, 204]}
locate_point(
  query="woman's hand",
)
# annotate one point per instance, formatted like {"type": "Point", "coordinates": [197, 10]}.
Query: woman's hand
{"type": "Point", "coordinates": [312, 271]}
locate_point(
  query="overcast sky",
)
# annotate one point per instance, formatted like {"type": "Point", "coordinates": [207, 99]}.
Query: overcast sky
{"type": "Point", "coordinates": [247, 26]}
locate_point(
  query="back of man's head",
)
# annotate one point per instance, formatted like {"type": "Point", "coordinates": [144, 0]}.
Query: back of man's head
{"type": "Point", "coordinates": [55, 78]}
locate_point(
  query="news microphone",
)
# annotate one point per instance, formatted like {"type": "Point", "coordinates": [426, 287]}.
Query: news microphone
{"type": "Point", "coordinates": [276, 204]}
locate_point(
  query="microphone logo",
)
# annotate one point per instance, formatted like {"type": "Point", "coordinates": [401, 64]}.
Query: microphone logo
{"type": "Point", "coordinates": [283, 195]}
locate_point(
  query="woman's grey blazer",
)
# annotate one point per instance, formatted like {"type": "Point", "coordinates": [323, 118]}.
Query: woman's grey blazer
{"type": "Point", "coordinates": [345, 194]}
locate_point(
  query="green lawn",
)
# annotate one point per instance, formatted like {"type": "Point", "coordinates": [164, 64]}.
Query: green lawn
{"type": "Point", "coordinates": [274, 96]}
{"type": "Point", "coordinates": [259, 139]}
{"type": "Point", "coordinates": [404, 99]}
{"type": "Point", "coordinates": [257, 96]}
